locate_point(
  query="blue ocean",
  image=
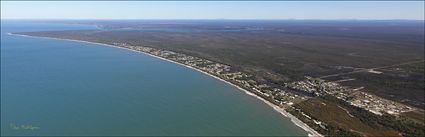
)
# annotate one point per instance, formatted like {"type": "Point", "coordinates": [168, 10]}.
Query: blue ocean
{"type": "Point", "coordinates": [58, 87]}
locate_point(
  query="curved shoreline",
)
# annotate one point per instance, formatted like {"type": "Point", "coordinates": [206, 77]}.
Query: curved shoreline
{"type": "Point", "coordinates": [295, 120]}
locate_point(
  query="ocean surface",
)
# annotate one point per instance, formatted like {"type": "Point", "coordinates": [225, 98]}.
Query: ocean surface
{"type": "Point", "coordinates": [57, 87]}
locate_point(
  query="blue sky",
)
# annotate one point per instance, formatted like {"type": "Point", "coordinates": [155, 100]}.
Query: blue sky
{"type": "Point", "coordinates": [213, 10]}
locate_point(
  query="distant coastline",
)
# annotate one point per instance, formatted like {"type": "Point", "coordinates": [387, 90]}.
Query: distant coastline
{"type": "Point", "coordinates": [296, 121]}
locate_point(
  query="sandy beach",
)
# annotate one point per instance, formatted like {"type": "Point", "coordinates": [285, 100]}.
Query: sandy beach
{"type": "Point", "coordinates": [296, 121]}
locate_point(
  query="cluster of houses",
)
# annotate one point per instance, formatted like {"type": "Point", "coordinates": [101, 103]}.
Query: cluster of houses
{"type": "Point", "coordinates": [355, 97]}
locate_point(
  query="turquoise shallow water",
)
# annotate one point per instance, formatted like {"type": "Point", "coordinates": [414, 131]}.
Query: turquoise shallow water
{"type": "Point", "coordinates": [73, 88]}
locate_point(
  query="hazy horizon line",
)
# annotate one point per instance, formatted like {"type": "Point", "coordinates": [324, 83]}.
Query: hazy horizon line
{"type": "Point", "coordinates": [206, 19]}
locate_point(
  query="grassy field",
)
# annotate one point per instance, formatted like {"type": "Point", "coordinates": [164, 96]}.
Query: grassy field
{"type": "Point", "coordinates": [340, 114]}
{"type": "Point", "coordinates": [336, 115]}
{"type": "Point", "coordinates": [417, 116]}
